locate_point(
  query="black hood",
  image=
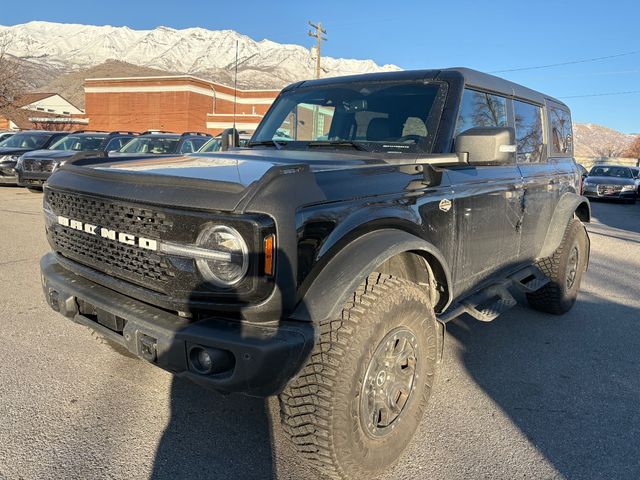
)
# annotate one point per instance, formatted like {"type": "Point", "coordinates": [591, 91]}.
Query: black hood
{"type": "Point", "coordinates": [611, 180]}
{"type": "Point", "coordinates": [50, 154]}
{"type": "Point", "coordinates": [13, 151]}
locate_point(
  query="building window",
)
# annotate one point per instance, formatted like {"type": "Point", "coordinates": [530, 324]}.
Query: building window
{"type": "Point", "coordinates": [67, 113]}
{"type": "Point", "coordinates": [40, 109]}
{"type": "Point", "coordinates": [50, 110]}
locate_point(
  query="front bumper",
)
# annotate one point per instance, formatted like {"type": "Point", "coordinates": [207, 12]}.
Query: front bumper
{"type": "Point", "coordinates": [8, 174]}
{"type": "Point", "coordinates": [264, 357]}
{"type": "Point", "coordinates": [30, 179]}
{"type": "Point", "coordinates": [592, 192]}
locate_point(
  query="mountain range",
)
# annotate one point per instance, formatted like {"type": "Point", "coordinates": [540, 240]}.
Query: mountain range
{"type": "Point", "coordinates": [210, 54]}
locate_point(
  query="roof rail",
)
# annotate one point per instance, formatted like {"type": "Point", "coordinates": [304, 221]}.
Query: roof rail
{"type": "Point", "coordinates": [150, 132]}
{"type": "Point", "coordinates": [88, 131]}
{"type": "Point", "coordinates": [118, 132]}
{"type": "Point", "coordinates": [199, 134]}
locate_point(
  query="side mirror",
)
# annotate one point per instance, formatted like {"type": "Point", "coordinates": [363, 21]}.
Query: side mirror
{"type": "Point", "coordinates": [230, 138]}
{"type": "Point", "coordinates": [486, 145]}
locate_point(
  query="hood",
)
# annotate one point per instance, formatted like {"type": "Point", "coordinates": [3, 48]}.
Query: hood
{"type": "Point", "coordinates": [610, 180]}
{"type": "Point", "coordinates": [13, 151]}
{"type": "Point", "coordinates": [50, 154]}
{"type": "Point", "coordinates": [240, 167]}
{"type": "Point", "coordinates": [221, 181]}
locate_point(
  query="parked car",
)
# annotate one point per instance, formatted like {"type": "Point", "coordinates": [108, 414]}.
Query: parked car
{"type": "Point", "coordinates": [151, 144]}
{"type": "Point", "coordinates": [617, 182]}
{"type": "Point", "coordinates": [322, 262]}
{"type": "Point", "coordinates": [5, 135]}
{"type": "Point", "coordinates": [16, 145]}
{"type": "Point", "coordinates": [215, 144]}
{"type": "Point", "coordinates": [34, 168]}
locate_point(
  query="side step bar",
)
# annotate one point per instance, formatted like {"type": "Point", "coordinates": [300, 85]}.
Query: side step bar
{"type": "Point", "coordinates": [487, 304]}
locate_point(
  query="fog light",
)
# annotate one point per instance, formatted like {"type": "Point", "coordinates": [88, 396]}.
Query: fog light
{"type": "Point", "coordinates": [201, 360]}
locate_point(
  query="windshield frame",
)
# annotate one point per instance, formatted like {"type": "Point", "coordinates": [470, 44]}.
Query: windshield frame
{"type": "Point", "coordinates": [261, 138]}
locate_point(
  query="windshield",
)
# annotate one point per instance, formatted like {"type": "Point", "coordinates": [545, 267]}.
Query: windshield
{"type": "Point", "coordinates": [620, 172]}
{"type": "Point", "coordinates": [79, 143]}
{"type": "Point", "coordinates": [151, 145]}
{"type": "Point", "coordinates": [394, 117]}
{"type": "Point", "coordinates": [212, 145]}
{"type": "Point", "coordinates": [26, 140]}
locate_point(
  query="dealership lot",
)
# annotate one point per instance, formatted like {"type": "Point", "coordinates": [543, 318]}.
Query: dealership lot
{"type": "Point", "coordinates": [528, 395]}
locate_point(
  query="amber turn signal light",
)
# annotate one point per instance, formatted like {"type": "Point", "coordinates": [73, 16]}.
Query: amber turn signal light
{"type": "Point", "coordinates": [269, 252]}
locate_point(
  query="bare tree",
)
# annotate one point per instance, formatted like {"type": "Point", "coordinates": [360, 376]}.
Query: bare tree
{"type": "Point", "coordinates": [610, 149]}
{"type": "Point", "coordinates": [633, 150]}
{"type": "Point", "coordinates": [12, 75]}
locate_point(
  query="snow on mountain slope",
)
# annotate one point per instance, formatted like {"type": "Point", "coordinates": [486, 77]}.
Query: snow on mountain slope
{"type": "Point", "coordinates": [192, 50]}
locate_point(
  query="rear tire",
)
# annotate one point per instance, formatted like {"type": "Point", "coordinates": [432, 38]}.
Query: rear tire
{"type": "Point", "coordinates": [564, 268]}
{"type": "Point", "coordinates": [355, 406]}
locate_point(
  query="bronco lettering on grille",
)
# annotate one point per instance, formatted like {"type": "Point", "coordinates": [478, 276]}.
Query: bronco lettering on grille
{"type": "Point", "coordinates": [121, 237]}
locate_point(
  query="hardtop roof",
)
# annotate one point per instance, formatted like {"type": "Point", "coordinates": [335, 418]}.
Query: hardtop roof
{"type": "Point", "coordinates": [472, 78]}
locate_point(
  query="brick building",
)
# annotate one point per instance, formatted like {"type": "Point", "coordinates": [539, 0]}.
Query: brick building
{"type": "Point", "coordinates": [171, 103]}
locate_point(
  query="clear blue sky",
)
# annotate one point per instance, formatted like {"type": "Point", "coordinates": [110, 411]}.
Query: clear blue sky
{"type": "Point", "coordinates": [487, 35]}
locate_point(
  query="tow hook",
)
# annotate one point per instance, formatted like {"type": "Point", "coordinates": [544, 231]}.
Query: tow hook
{"type": "Point", "coordinates": [148, 348]}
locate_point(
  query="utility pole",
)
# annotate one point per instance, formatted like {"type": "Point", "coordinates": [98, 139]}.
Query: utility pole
{"type": "Point", "coordinates": [318, 34]}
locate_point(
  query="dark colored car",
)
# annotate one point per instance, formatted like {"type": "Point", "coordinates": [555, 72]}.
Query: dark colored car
{"type": "Point", "coordinates": [322, 262]}
{"type": "Point", "coordinates": [215, 144]}
{"type": "Point", "coordinates": [152, 144]}
{"type": "Point", "coordinates": [617, 182]}
{"type": "Point", "coordinates": [34, 168]}
{"type": "Point", "coordinates": [18, 144]}
{"type": "Point", "coordinates": [5, 135]}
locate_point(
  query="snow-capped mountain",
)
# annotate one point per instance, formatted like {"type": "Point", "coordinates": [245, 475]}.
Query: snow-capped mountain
{"type": "Point", "coordinates": [193, 50]}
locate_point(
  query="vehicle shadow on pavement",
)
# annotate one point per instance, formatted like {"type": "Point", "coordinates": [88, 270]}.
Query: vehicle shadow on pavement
{"type": "Point", "coordinates": [212, 436]}
{"type": "Point", "coordinates": [571, 384]}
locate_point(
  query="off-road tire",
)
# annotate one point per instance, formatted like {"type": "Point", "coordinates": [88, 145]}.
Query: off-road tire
{"type": "Point", "coordinates": [116, 347]}
{"type": "Point", "coordinates": [321, 409]}
{"type": "Point", "coordinates": [556, 297]}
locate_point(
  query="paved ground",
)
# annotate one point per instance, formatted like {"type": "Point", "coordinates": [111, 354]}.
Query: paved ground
{"type": "Point", "coordinates": [527, 396]}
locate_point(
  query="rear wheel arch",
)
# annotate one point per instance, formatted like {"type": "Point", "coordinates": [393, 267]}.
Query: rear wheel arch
{"type": "Point", "coordinates": [569, 206]}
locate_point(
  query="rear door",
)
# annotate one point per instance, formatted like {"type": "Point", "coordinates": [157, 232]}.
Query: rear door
{"type": "Point", "coordinates": [487, 201]}
{"type": "Point", "coordinates": [541, 178]}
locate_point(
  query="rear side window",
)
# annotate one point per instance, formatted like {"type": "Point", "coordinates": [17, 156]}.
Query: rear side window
{"type": "Point", "coordinates": [529, 136]}
{"type": "Point", "coordinates": [561, 131]}
{"type": "Point", "coordinates": [479, 109]}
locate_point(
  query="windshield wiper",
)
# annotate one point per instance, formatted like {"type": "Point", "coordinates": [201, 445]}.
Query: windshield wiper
{"type": "Point", "coordinates": [339, 143]}
{"type": "Point", "coordinates": [264, 143]}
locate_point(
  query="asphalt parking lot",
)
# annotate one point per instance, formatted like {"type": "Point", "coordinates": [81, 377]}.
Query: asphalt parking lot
{"type": "Point", "coordinates": [526, 396]}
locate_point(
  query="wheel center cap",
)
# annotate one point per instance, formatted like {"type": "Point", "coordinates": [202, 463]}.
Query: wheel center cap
{"type": "Point", "coordinates": [381, 378]}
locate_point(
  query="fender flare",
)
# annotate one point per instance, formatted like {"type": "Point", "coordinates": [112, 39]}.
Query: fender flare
{"type": "Point", "coordinates": [568, 205]}
{"type": "Point", "coordinates": [342, 275]}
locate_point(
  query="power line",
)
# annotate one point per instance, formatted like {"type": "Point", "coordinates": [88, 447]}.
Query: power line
{"type": "Point", "coordinates": [319, 31]}
{"type": "Point", "coordinates": [603, 94]}
{"type": "Point", "coordinates": [574, 62]}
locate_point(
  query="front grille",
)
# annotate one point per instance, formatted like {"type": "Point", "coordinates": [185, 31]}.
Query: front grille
{"type": "Point", "coordinates": [138, 265]}
{"type": "Point", "coordinates": [609, 189]}
{"type": "Point", "coordinates": [123, 218]}
{"type": "Point", "coordinates": [35, 165]}
{"type": "Point", "coordinates": [133, 263]}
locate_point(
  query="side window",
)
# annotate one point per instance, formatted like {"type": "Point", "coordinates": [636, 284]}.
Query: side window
{"type": "Point", "coordinates": [561, 132]}
{"type": "Point", "coordinates": [479, 109]}
{"type": "Point", "coordinates": [199, 142]}
{"type": "Point", "coordinates": [529, 137]}
{"type": "Point", "coordinates": [187, 147]}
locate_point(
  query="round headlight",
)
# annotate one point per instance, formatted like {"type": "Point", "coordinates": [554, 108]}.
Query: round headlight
{"type": "Point", "coordinates": [233, 263]}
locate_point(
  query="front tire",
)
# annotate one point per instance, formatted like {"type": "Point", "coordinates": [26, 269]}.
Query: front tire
{"type": "Point", "coordinates": [355, 406]}
{"type": "Point", "coordinates": [564, 269]}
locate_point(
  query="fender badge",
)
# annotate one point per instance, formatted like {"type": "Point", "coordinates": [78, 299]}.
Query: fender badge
{"type": "Point", "coordinates": [445, 204]}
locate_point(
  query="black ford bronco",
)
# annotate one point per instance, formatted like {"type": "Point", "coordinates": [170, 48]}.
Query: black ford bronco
{"type": "Point", "coordinates": [322, 262]}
